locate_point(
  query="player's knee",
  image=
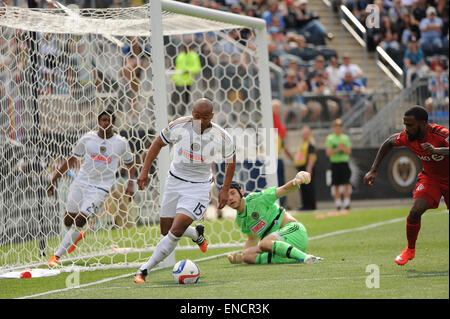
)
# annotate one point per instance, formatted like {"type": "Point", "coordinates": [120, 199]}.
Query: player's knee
{"type": "Point", "coordinates": [80, 221]}
{"type": "Point", "coordinates": [416, 212]}
{"type": "Point", "coordinates": [177, 231]}
{"type": "Point", "coordinates": [68, 220]}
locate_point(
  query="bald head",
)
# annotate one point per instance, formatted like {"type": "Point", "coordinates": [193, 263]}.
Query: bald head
{"type": "Point", "coordinates": [203, 105]}
{"type": "Point", "coordinates": [202, 113]}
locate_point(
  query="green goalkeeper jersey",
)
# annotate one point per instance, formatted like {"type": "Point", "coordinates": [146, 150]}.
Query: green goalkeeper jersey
{"type": "Point", "coordinates": [260, 213]}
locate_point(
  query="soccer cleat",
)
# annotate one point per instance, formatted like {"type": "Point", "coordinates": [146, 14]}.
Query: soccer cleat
{"type": "Point", "coordinates": [140, 276]}
{"type": "Point", "coordinates": [310, 259]}
{"type": "Point", "coordinates": [406, 255]}
{"type": "Point", "coordinates": [80, 237]}
{"type": "Point", "coordinates": [201, 241]}
{"type": "Point", "coordinates": [53, 262]}
{"type": "Point", "coordinates": [235, 258]}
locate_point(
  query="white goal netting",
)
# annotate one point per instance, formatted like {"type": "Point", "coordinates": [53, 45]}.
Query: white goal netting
{"type": "Point", "coordinates": [59, 68]}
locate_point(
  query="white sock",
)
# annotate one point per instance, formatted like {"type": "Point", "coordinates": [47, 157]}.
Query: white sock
{"type": "Point", "coordinates": [191, 232]}
{"type": "Point", "coordinates": [165, 246]}
{"type": "Point", "coordinates": [69, 238]}
{"type": "Point", "coordinates": [346, 202]}
{"type": "Point", "coordinates": [338, 202]}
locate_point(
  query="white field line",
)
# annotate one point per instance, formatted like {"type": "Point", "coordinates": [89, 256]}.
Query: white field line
{"type": "Point", "coordinates": [339, 232]}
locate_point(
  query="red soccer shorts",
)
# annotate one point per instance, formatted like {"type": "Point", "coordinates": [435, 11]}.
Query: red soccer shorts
{"type": "Point", "coordinates": [431, 189]}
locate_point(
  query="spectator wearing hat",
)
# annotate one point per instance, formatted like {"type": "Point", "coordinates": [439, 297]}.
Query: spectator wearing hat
{"type": "Point", "coordinates": [431, 31]}
{"type": "Point", "coordinates": [414, 61]}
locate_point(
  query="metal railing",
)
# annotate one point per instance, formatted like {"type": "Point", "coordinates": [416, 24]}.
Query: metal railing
{"type": "Point", "coordinates": [389, 120]}
{"type": "Point", "coordinates": [383, 60]}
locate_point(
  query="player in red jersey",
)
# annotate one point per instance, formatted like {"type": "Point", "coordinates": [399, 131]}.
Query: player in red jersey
{"type": "Point", "coordinates": [430, 143]}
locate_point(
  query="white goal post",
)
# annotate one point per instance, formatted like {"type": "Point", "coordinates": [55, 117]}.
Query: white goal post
{"type": "Point", "coordinates": [60, 67]}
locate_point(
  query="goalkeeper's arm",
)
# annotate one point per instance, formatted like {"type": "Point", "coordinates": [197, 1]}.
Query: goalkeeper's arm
{"type": "Point", "coordinates": [302, 177]}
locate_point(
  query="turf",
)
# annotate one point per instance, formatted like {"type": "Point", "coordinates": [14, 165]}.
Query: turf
{"type": "Point", "coordinates": [342, 275]}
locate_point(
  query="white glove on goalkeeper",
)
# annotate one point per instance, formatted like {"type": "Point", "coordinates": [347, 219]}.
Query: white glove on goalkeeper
{"type": "Point", "coordinates": [302, 178]}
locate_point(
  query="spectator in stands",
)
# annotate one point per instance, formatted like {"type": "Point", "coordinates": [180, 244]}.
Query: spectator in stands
{"type": "Point", "coordinates": [136, 62]}
{"type": "Point", "coordinates": [305, 160]}
{"type": "Point", "coordinates": [82, 76]}
{"type": "Point", "coordinates": [309, 23]}
{"type": "Point", "coordinates": [294, 87]}
{"type": "Point", "coordinates": [273, 10]}
{"type": "Point", "coordinates": [358, 9]}
{"type": "Point", "coordinates": [349, 91]}
{"type": "Point", "coordinates": [208, 61]}
{"type": "Point", "coordinates": [409, 27]}
{"type": "Point", "coordinates": [274, 54]}
{"type": "Point", "coordinates": [408, 4]}
{"type": "Point", "coordinates": [438, 85]}
{"type": "Point", "coordinates": [420, 10]}
{"type": "Point", "coordinates": [431, 31]}
{"type": "Point", "coordinates": [333, 74]}
{"type": "Point", "coordinates": [442, 11]}
{"type": "Point", "coordinates": [297, 45]}
{"type": "Point", "coordinates": [319, 66]}
{"type": "Point", "coordinates": [396, 12]}
{"type": "Point", "coordinates": [229, 46]}
{"type": "Point", "coordinates": [276, 26]}
{"type": "Point", "coordinates": [346, 66]}
{"type": "Point", "coordinates": [290, 15]}
{"type": "Point", "coordinates": [278, 38]}
{"type": "Point", "coordinates": [414, 61]}
{"type": "Point", "coordinates": [389, 37]}
{"type": "Point", "coordinates": [321, 88]}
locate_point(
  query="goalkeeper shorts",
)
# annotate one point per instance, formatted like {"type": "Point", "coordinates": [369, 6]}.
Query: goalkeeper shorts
{"type": "Point", "coordinates": [293, 233]}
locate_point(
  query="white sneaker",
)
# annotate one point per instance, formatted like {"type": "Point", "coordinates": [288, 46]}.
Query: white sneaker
{"type": "Point", "coordinates": [310, 259]}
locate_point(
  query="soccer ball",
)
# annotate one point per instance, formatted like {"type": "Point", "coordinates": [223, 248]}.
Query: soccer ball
{"type": "Point", "coordinates": [186, 272]}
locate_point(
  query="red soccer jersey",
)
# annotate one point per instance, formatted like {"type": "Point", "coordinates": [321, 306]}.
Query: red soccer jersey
{"type": "Point", "coordinates": [433, 164]}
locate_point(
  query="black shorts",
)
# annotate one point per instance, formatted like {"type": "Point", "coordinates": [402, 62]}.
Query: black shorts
{"type": "Point", "coordinates": [340, 173]}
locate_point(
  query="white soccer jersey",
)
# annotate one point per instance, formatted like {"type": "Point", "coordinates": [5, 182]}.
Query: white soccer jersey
{"type": "Point", "coordinates": [101, 159]}
{"type": "Point", "coordinates": [193, 153]}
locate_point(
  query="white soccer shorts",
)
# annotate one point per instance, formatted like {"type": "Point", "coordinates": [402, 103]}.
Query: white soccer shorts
{"type": "Point", "coordinates": [187, 198]}
{"type": "Point", "coordinates": [86, 199]}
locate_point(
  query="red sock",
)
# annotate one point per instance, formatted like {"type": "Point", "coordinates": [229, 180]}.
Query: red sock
{"type": "Point", "coordinates": [412, 231]}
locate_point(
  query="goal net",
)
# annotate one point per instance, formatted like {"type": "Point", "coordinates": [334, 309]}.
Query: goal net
{"type": "Point", "coordinates": [60, 67]}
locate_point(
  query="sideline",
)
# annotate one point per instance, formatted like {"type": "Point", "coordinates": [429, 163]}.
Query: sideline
{"type": "Point", "coordinates": [339, 232]}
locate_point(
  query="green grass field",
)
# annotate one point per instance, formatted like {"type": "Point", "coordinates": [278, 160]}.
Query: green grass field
{"type": "Point", "coordinates": [346, 244]}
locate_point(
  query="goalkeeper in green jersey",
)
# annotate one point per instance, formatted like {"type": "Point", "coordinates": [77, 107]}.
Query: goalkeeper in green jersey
{"type": "Point", "coordinates": [274, 236]}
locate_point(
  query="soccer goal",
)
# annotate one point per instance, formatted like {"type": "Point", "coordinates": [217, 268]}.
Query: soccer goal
{"type": "Point", "coordinates": [60, 67]}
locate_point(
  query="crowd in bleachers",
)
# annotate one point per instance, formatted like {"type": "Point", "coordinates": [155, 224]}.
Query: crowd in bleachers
{"type": "Point", "coordinates": [412, 32]}
{"type": "Point", "coordinates": [317, 84]}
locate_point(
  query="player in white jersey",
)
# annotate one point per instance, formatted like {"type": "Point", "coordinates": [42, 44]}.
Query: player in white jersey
{"type": "Point", "coordinates": [197, 144]}
{"type": "Point", "coordinates": [100, 152]}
